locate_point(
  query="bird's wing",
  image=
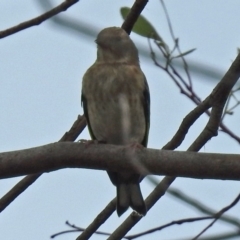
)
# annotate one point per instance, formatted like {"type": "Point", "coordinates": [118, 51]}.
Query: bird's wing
{"type": "Point", "coordinates": [85, 110]}
{"type": "Point", "coordinates": [146, 106]}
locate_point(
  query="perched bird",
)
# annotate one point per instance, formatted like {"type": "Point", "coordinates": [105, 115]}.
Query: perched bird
{"type": "Point", "coordinates": [116, 104]}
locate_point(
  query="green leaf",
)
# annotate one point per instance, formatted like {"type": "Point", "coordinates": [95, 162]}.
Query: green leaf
{"type": "Point", "coordinates": [142, 26]}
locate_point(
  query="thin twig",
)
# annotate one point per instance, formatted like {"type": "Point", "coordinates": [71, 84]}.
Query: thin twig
{"type": "Point", "coordinates": [186, 68]}
{"type": "Point", "coordinates": [191, 95]}
{"type": "Point", "coordinates": [38, 20]}
{"type": "Point", "coordinates": [222, 236]}
{"type": "Point", "coordinates": [218, 215]}
{"type": "Point", "coordinates": [215, 216]}
{"type": "Point", "coordinates": [195, 203]}
{"type": "Point", "coordinates": [78, 229]}
{"type": "Point", "coordinates": [176, 222]}
{"type": "Point", "coordinates": [201, 207]}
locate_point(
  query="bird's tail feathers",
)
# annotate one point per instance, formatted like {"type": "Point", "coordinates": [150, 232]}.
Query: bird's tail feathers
{"type": "Point", "coordinates": [129, 194]}
{"type": "Point", "coordinates": [136, 199]}
{"type": "Point", "coordinates": [123, 198]}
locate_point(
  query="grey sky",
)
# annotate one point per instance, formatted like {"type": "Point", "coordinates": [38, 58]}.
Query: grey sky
{"type": "Point", "coordinates": [41, 70]}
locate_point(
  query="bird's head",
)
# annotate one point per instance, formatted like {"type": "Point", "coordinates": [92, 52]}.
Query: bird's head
{"type": "Point", "coordinates": [114, 45]}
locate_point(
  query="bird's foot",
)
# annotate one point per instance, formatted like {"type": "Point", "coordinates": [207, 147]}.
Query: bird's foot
{"type": "Point", "coordinates": [136, 146]}
{"type": "Point", "coordinates": [88, 142]}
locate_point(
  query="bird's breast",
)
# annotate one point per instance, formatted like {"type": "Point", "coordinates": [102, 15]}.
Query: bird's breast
{"type": "Point", "coordinates": [115, 110]}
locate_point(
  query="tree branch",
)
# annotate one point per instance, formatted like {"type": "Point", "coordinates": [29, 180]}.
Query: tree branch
{"type": "Point", "coordinates": [38, 20]}
{"type": "Point", "coordinates": [218, 215]}
{"type": "Point", "coordinates": [133, 15]}
{"type": "Point", "coordinates": [116, 158]}
{"type": "Point", "coordinates": [99, 220]}
{"type": "Point", "coordinates": [22, 185]}
{"type": "Point", "coordinates": [202, 207]}
{"type": "Point", "coordinates": [217, 101]}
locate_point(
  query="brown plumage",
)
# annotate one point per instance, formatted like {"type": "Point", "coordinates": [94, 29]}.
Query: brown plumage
{"type": "Point", "coordinates": [116, 103]}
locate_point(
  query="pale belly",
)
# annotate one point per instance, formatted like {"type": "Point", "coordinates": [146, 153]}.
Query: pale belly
{"type": "Point", "coordinates": [117, 120]}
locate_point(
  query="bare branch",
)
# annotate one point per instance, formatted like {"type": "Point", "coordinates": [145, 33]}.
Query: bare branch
{"type": "Point", "coordinates": [173, 192]}
{"type": "Point", "coordinates": [21, 186]}
{"type": "Point", "coordinates": [76, 129]}
{"type": "Point", "coordinates": [201, 207]}
{"type": "Point", "coordinates": [38, 20]}
{"type": "Point", "coordinates": [222, 236]}
{"type": "Point", "coordinates": [117, 158]}
{"type": "Point", "coordinates": [187, 122]}
{"type": "Point", "coordinates": [218, 215]}
{"type": "Point", "coordinates": [217, 100]}
{"type": "Point", "coordinates": [99, 220]}
{"type": "Point", "coordinates": [78, 229]}
{"type": "Point", "coordinates": [185, 65]}
{"type": "Point", "coordinates": [176, 222]}
{"type": "Point", "coordinates": [133, 15]}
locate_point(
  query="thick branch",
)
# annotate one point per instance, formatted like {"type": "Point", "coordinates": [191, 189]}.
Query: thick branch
{"type": "Point", "coordinates": [217, 101]}
{"type": "Point", "coordinates": [60, 155]}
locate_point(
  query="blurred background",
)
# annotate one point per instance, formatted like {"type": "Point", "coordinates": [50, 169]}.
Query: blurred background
{"type": "Point", "coordinates": [41, 70]}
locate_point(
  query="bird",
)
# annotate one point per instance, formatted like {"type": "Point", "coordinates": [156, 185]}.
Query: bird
{"type": "Point", "coordinates": [116, 103]}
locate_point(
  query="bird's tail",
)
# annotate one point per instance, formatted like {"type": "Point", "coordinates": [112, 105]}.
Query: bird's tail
{"type": "Point", "coordinates": [129, 195]}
